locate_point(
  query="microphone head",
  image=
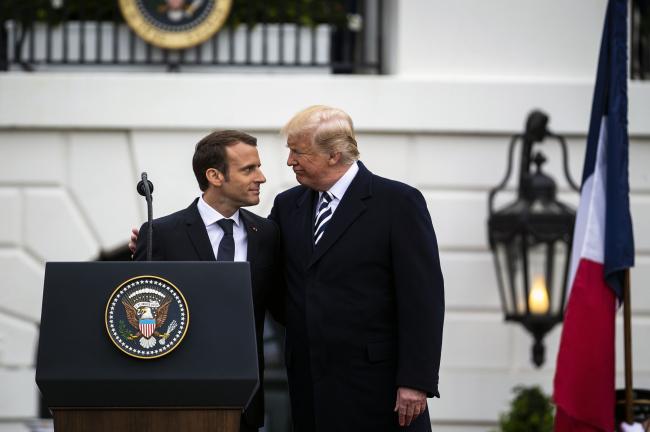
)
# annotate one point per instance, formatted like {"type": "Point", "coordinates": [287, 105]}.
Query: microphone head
{"type": "Point", "coordinates": [141, 188]}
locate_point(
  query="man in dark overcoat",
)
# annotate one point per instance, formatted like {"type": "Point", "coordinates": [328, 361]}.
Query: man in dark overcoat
{"type": "Point", "coordinates": [365, 301]}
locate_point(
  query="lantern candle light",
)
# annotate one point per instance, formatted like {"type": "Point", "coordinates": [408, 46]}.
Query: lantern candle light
{"type": "Point", "coordinates": [538, 298]}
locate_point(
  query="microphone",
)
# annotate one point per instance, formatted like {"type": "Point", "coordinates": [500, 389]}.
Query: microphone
{"type": "Point", "coordinates": [142, 190]}
{"type": "Point", "coordinates": [145, 188]}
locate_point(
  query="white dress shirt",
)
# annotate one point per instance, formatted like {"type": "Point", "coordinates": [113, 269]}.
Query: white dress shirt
{"type": "Point", "coordinates": [210, 218]}
{"type": "Point", "coordinates": [340, 187]}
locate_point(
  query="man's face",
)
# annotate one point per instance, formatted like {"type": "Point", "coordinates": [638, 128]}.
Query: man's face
{"type": "Point", "coordinates": [310, 166]}
{"type": "Point", "coordinates": [242, 188]}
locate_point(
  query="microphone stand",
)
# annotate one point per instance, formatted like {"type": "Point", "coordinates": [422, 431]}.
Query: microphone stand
{"type": "Point", "coordinates": [145, 188]}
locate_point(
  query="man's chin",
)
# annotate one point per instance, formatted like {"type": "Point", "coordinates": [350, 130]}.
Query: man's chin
{"type": "Point", "coordinates": [300, 178]}
{"type": "Point", "coordinates": [253, 201]}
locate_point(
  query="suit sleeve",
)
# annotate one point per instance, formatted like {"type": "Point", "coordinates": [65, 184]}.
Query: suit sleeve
{"type": "Point", "coordinates": [276, 303]}
{"type": "Point", "coordinates": [141, 246]}
{"type": "Point", "coordinates": [419, 293]}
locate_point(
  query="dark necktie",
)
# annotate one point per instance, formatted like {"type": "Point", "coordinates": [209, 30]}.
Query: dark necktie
{"type": "Point", "coordinates": [323, 216]}
{"type": "Point", "coordinates": [226, 251]}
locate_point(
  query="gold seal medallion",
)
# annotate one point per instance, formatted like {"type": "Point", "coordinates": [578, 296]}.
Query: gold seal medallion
{"type": "Point", "coordinates": [175, 24]}
{"type": "Point", "coordinates": [147, 317]}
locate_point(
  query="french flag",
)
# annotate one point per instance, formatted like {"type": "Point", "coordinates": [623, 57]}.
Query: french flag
{"type": "Point", "coordinates": [603, 248]}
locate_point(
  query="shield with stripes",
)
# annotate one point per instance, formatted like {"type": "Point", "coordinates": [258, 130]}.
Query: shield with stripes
{"type": "Point", "coordinates": [147, 326]}
{"type": "Point", "coordinates": [146, 317]}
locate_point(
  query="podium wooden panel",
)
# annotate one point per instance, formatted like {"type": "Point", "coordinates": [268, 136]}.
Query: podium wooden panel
{"type": "Point", "coordinates": [146, 420]}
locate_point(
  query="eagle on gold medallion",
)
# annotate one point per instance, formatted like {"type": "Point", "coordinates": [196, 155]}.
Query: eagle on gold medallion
{"type": "Point", "coordinates": [175, 24]}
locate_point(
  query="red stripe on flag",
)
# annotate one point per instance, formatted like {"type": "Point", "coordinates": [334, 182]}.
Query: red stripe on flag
{"type": "Point", "coordinates": [585, 374]}
{"type": "Point", "coordinates": [564, 422]}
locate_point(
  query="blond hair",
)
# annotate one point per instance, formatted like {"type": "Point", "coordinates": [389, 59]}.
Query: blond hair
{"type": "Point", "coordinates": [329, 130]}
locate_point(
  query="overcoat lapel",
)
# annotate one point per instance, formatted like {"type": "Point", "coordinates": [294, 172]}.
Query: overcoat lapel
{"type": "Point", "coordinates": [302, 223]}
{"type": "Point", "coordinates": [348, 210]}
{"type": "Point", "coordinates": [198, 234]}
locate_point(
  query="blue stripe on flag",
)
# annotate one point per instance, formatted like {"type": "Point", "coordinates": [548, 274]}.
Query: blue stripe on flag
{"type": "Point", "coordinates": [610, 100]}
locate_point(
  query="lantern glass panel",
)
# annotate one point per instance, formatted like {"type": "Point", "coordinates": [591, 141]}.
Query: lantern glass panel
{"type": "Point", "coordinates": [546, 263]}
{"type": "Point", "coordinates": [540, 273]}
{"type": "Point", "coordinates": [510, 266]}
{"type": "Point", "coordinates": [560, 258]}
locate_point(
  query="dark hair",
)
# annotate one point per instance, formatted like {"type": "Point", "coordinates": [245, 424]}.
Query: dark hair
{"type": "Point", "coordinates": [210, 152]}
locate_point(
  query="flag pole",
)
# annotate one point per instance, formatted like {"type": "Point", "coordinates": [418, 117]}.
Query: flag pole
{"type": "Point", "coordinates": [627, 329]}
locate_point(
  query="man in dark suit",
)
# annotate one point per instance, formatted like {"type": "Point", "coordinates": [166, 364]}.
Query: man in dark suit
{"type": "Point", "coordinates": [215, 227]}
{"type": "Point", "coordinates": [365, 301]}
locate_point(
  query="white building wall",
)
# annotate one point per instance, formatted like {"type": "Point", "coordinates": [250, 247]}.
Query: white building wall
{"type": "Point", "coordinates": [72, 146]}
{"type": "Point", "coordinates": [499, 39]}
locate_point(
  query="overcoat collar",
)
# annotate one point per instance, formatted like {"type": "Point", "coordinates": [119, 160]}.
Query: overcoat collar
{"type": "Point", "coordinates": [352, 205]}
{"type": "Point", "coordinates": [304, 223]}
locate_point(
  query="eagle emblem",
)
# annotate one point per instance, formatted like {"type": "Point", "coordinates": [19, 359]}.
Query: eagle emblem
{"type": "Point", "coordinates": [146, 317]}
{"type": "Point", "coordinates": [175, 24]}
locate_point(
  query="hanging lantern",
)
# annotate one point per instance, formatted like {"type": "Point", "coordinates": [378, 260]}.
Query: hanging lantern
{"type": "Point", "coordinates": [530, 239]}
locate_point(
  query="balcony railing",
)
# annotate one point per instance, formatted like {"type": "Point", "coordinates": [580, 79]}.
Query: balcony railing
{"type": "Point", "coordinates": [640, 43]}
{"type": "Point", "coordinates": [337, 36]}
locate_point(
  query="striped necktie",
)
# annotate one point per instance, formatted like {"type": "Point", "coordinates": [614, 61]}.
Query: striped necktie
{"type": "Point", "coordinates": [323, 216]}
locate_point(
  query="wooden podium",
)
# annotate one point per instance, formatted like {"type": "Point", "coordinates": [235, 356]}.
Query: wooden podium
{"type": "Point", "coordinates": [150, 420]}
{"type": "Point", "coordinates": [203, 384]}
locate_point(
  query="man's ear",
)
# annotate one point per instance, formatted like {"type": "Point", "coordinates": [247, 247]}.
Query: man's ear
{"type": "Point", "coordinates": [334, 158]}
{"type": "Point", "coordinates": [214, 177]}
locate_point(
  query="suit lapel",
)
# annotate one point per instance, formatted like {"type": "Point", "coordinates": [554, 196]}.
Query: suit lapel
{"type": "Point", "coordinates": [198, 234]}
{"type": "Point", "coordinates": [252, 236]}
{"type": "Point", "coordinates": [348, 210]}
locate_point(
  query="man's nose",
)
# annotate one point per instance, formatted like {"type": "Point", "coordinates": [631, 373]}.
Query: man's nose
{"type": "Point", "coordinates": [261, 178]}
{"type": "Point", "coordinates": [291, 161]}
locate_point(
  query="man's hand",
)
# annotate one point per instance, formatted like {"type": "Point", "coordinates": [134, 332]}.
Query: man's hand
{"type": "Point", "coordinates": [410, 404]}
{"type": "Point", "coordinates": [134, 239]}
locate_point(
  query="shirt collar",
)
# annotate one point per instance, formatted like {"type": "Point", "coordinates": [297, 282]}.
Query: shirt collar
{"type": "Point", "coordinates": [211, 216]}
{"type": "Point", "coordinates": [341, 186]}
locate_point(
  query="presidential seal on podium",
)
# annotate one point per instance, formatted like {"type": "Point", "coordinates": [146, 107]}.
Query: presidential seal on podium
{"type": "Point", "coordinates": [147, 317]}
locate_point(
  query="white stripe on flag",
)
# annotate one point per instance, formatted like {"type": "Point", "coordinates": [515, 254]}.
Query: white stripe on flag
{"type": "Point", "coordinates": [589, 233]}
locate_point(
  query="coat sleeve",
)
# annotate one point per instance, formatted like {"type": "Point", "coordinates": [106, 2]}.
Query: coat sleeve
{"type": "Point", "coordinates": [276, 303]}
{"type": "Point", "coordinates": [140, 254]}
{"type": "Point", "coordinates": [419, 292]}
